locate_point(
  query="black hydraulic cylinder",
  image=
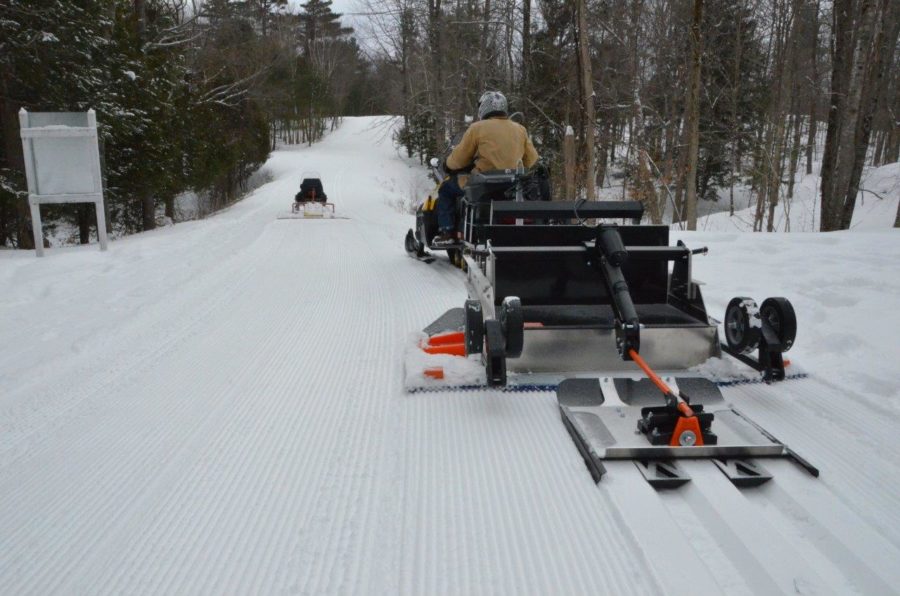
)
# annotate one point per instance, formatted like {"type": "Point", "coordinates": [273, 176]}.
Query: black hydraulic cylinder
{"type": "Point", "coordinates": [610, 244]}
{"type": "Point", "coordinates": [627, 323]}
{"type": "Point", "coordinates": [619, 292]}
{"type": "Point", "coordinates": [612, 256]}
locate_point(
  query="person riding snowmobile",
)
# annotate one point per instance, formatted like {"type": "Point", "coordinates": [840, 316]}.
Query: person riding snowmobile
{"type": "Point", "coordinates": [311, 190]}
{"type": "Point", "coordinates": [493, 142]}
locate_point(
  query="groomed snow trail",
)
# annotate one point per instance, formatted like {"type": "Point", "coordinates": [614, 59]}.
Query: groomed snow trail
{"type": "Point", "coordinates": [218, 408]}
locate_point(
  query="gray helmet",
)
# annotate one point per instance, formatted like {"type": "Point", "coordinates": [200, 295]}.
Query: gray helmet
{"type": "Point", "coordinates": [492, 103]}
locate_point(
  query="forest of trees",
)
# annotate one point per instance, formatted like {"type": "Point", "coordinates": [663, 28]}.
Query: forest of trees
{"type": "Point", "coordinates": [189, 96]}
{"type": "Point", "coordinates": [680, 100]}
{"type": "Point", "coordinates": [692, 97]}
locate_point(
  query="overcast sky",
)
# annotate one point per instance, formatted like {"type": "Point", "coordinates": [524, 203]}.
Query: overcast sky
{"type": "Point", "coordinates": [346, 7]}
{"type": "Point", "coordinates": [336, 5]}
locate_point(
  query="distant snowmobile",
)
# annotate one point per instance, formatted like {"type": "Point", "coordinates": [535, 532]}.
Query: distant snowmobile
{"type": "Point", "coordinates": [311, 202]}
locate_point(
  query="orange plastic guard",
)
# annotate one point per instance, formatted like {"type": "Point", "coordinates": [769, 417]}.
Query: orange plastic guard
{"type": "Point", "coordinates": [435, 373]}
{"type": "Point", "coordinates": [452, 349]}
{"type": "Point", "coordinates": [451, 337]}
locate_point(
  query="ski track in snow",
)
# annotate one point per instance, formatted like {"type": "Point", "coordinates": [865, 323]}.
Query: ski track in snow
{"type": "Point", "coordinates": [218, 407]}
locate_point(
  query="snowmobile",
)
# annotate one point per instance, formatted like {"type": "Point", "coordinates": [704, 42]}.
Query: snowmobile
{"type": "Point", "coordinates": [609, 315]}
{"type": "Point", "coordinates": [533, 185]}
{"type": "Point", "coordinates": [311, 202]}
{"type": "Point", "coordinates": [426, 229]}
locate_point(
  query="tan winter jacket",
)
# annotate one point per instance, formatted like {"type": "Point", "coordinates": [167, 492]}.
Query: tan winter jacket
{"type": "Point", "coordinates": [494, 144]}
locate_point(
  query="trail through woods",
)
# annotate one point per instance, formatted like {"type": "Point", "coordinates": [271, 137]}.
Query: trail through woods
{"type": "Point", "coordinates": [217, 407]}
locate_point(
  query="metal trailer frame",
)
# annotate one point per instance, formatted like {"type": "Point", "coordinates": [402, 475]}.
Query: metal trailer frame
{"type": "Point", "coordinates": [554, 296]}
{"type": "Point", "coordinates": [603, 415]}
{"type": "Point", "coordinates": [571, 308]}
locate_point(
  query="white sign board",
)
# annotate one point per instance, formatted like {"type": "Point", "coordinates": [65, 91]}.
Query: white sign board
{"type": "Point", "coordinates": [62, 165]}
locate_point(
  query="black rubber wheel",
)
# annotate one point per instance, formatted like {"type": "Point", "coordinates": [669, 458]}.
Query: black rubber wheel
{"type": "Point", "coordinates": [779, 315]}
{"type": "Point", "coordinates": [494, 354]}
{"type": "Point", "coordinates": [742, 325]}
{"type": "Point", "coordinates": [474, 329]}
{"type": "Point", "coordinates": [512, 321]}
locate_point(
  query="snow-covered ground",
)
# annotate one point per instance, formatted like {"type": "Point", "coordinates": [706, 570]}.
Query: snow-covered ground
{"type": "Point", "coordinates": [218, 407]}
{"type": "Point", "coordinates": [876, 205]}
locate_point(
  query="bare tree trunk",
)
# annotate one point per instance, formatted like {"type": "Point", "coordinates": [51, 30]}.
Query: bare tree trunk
{"type": "Point", "coordinates": [892, 151]}
{"type": "Point", "coordinates": [814, 94]}
{"type": "Point", "coordinates": [406, 31]}
{"type": "Point", "coordinates": [603, 157]}
{"type": "Point", "coordinates": [877, 156]}
{"type": "Point", "coordinates": [587, 101]}
{"type": "Point", "coordinates": [852, 58]}
{"type": "Point", "coordinates": [776, 169]}
{"type": "Point", "coordinates": [12, 149]}
{"type": "Point", "coordinates": [680, 167]}
{"type": "Point", "coordinates": [264, 17]}
{"type": "Point", "coordinates": [645, 184]}
{"type": "Point", "coordinates": [140, 17]}
{"type": "Point", "coordinates": [795, 156]}
{"type": "Point", "coordinates": [841, 36]}
{"type": "Point", "coordinates": [794, 109]}
{"type": "Point", "coordinates": [763, 190]}
{"type": "Point", "coordinates": [84, 212]}
{"type": "Point", "coordinates": [735, 120]}
{"type": "Point", "coordinates": [848, 137]}
{"type": "Point", "coordinates": [569, 162]}
{"type": "Point", "coordinates": [148, 205]}
{"type": "Point", "coordinates": [148, 209]}
{"type": "Point", "coordinates": [692, 117]}
{"type": "Point", "coordinates": [526, 45]}
{"type": "Point", "coordinates": [485, 45]}
{"type": "Point", "coordinates": [785, 28]}
{"type": "Point", "coordinates": [886, 22]}
{"type": "Point", "coordinates": [170, 207]}
{"type": "Point", "coordinates": [437, 62]}
{"type": "Point", "coordinates": [672, 171]}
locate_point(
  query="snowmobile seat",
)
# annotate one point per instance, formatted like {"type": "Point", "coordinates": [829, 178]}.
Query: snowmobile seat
{"type": "Point", "coordinates": [497, 185]}
{"type": "Point", "coordinates": [484, 187]}
{"type": "Point", "coordinates": [311, 189]}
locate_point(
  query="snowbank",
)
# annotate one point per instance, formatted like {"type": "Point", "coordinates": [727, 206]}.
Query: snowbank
{"type": "Point", "coordinates": [876, 206]}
